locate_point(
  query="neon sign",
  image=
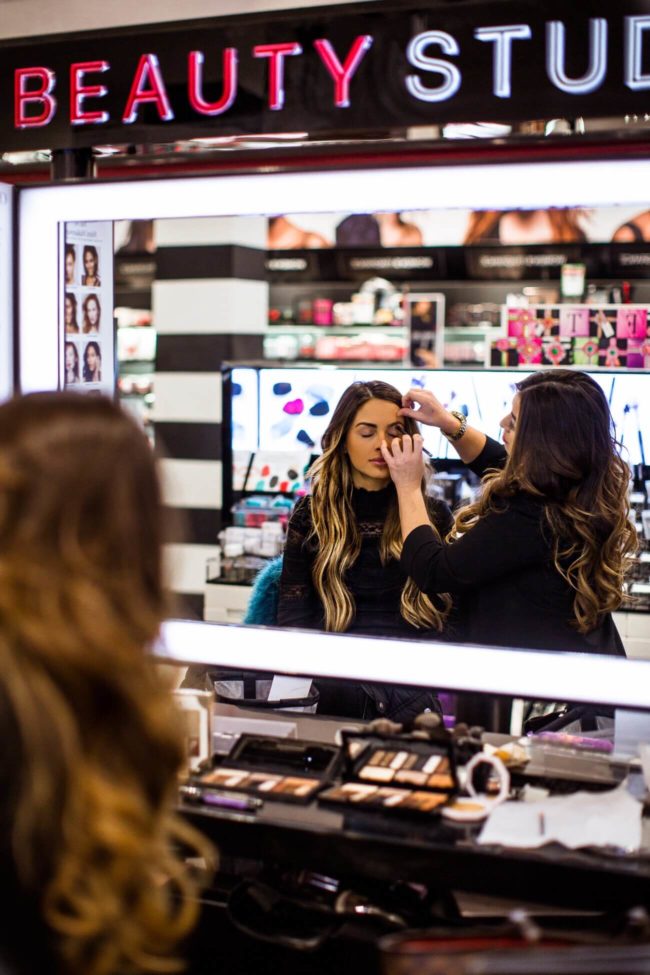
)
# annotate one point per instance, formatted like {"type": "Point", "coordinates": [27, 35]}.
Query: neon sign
{"type": "Point", "coordinates": [387, 65]}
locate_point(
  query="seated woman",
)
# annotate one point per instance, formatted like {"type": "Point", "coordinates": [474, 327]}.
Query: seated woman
{"type": "Point", "coordinates": [341, 569]}
{"type": "Point", "coordinates": [93, 879]}
{"type": "Point", "coordinates": [540, 558]}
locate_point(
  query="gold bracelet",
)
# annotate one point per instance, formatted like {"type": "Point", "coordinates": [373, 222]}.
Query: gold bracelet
{"type": "Point", "coordinates": [462, 419]}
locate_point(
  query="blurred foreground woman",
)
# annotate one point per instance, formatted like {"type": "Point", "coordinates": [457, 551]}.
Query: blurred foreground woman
{"type": "Point", "coordinates": [91, 878]}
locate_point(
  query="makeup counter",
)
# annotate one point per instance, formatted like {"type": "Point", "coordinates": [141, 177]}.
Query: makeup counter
{"type": "Point", "coordinates": [321, 821]}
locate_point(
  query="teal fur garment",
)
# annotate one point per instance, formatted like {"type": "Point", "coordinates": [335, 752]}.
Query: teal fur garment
{"type": "Point", "coordinates": [262, 607]}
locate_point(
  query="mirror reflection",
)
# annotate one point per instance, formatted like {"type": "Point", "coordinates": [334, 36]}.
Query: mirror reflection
{"type": "Point", "coordinates": [309, 498]}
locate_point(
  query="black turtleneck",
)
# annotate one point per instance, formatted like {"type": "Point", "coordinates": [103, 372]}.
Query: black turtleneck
{"type": "Point", "coordinates": [376, 588]}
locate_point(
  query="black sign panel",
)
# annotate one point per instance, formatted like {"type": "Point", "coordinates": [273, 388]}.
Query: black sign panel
{"type": "Point", "coordinates": [366, 68]}
{"type": "Point", "coordinates": [496, 262]}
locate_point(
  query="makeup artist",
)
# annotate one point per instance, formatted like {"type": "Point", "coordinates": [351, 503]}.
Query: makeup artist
{"type": "Point", "coordinates": [341, 570]}
{"type": "Point", "coordinates": [539, 559]}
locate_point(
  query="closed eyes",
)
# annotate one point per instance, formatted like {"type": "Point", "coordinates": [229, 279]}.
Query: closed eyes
{"type": "Point", "coordinates": [371, 431]}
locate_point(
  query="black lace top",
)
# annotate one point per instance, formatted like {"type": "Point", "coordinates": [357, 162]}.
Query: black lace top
{"type": "Point", "coordinates": [376, 588]}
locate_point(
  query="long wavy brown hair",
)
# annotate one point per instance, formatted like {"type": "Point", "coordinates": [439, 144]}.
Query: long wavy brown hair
{"type": "Point", "coordinates": [335, 527]}
{"type": "Point", "coordinates": [564, 452]}
{"type": "Point", "coordinates": [565, 223]}
{"type": "Point", "coordinates": [96, 743]}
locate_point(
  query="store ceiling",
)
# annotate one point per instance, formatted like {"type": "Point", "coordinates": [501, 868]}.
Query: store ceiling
{"type": "Point", "coordinates": [295, 149]}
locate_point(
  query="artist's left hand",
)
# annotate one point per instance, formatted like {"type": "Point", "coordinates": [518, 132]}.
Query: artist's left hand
{"type": "Point", "coordinates": [405, 461]}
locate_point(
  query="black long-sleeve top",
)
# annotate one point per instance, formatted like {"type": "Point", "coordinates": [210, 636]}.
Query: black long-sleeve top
{"type": "Point", "coordinates": [376, 588]}
{"type": "Point", "coordinates": [511, 594]}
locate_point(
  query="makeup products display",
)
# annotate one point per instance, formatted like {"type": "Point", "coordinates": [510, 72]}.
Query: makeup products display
{"type": "Point", "coordinates": [395, 775]}
{"type": "Point", "coordinates": [272, 768]}
{"type": "Point", "coordinates": [221, 799]}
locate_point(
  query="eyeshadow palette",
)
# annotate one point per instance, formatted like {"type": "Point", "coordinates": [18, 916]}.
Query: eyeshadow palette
{"type": "Point", "coordinates": [273, 768]}
{"type": "Point", "coordinates": [399, 774]}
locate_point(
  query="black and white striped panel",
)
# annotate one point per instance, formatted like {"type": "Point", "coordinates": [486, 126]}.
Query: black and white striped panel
{"type": "Point", "coordinates": [210, 305]}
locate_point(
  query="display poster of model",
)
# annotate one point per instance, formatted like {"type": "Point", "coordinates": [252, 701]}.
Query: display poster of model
{"type": "Point", "coordinates": [87, 307]}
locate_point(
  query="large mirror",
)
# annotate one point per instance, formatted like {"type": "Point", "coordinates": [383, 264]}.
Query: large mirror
{"type": "Point", "coordinates": [301, 303]}
{"type": "Point", "coordinates": [465, 304]}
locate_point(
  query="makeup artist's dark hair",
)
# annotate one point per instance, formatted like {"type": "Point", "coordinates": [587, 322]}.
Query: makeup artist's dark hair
{"type": "Point", "coordinates": [565, 452]}
{"type": "Point", "coordinates": [96, 746]}
{"type": "Point", "coordinates": [334, 523]}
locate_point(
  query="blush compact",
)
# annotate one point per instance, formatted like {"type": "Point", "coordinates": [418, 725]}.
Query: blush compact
{"type": "Point", "coordinates": [273, 768]}
{"type": "Point", "coordinates": [399, 774]}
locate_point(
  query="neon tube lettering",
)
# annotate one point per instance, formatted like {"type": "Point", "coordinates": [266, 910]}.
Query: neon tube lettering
{"type": "Point", "coordinates": [147, 73]}
{"type": "Point", "coordinates": [502, 64]}
{"type": "Point", "coordinates": [342, 73]}
{"type": "Point", "coordinates": [416, 56]}
{"type": "Point", "coordinates": [276, 54]}
{"type": "Point", "coordinates": [195, 83]}
{"type": "Point", "coordinates": [79, 91]}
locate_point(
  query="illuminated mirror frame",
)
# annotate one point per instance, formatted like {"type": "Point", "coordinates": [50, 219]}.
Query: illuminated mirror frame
{"type": "Point", "coordinates": [42, 211]}
{"type": "Point", "coordinates": [575, 677]}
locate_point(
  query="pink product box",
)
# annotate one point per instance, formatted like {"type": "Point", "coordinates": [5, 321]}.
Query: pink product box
{"type": "Point", "coordinates": [322, 311]}
{"type": "Point", "coordinates": [632, 323]}
{"type": "Point", "coordinates": [521, 322]}
{"type": "Point", "coordinates": [574, 321]}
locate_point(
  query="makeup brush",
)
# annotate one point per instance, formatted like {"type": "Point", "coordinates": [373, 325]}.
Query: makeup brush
{"type": "Point", "coordinates": [427, 720]}
{"type": "Point", "coordinates": [384, 726]}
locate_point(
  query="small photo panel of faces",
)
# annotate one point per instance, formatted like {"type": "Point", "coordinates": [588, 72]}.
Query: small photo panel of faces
{"type": "Point", "coordinates": [90, 314]}
{"type": "Point", "coordinates": [71, 265]}
{"type": "Point", "coordinates": [91, 365]}
{"type": "Point", "coordinates": [72, 363]}
{"type": "Point", "coordinates": [90, 257]}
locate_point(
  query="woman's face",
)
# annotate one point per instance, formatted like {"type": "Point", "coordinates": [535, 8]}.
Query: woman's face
{"type": "Point", "coordinates": [69, 312]}
{"type": "Point", "coordinates": [69, 267]}
{"type": "Point", "coordinates": [90, 264]}
{"type": "Point", "coordinates": [92, 359]}
{"type": "Point", "coordinates": [69, 358]}
{"type": "Point", "coordinates": [373, 422]}
{"type": "Point", "coordinates": [508, 423]}
{"type": "Point", "coordinates": [92, 312]}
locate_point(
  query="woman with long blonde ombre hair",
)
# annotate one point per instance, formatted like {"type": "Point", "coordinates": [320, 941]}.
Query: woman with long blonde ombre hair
{"type": "Point", "coordinates": [341, 570]}
{"type": "Point", "coordinates": [93, 880]}
{"type": "Point", "coordinates": [540, 558]}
